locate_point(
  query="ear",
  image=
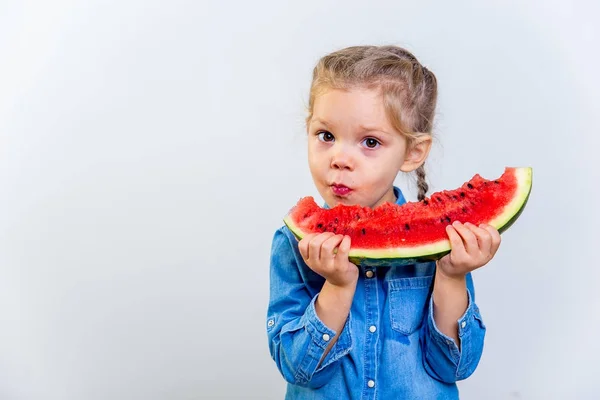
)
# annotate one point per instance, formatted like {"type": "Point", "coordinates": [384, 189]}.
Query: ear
{"type": "Point", "coordinates": [416, 153]}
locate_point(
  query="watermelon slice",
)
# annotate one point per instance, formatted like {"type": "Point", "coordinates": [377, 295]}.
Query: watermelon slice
{"type": "Point", "coordinates": [416, 231]}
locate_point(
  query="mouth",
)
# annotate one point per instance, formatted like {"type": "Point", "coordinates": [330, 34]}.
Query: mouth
{"type": "Point", "coordinates": [340, 190]}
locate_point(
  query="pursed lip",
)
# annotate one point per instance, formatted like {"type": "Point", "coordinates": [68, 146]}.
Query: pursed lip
{"type": "Point", "coordinates": [340, 189]}
{"type": "Point", "coordinates": [340, 185]}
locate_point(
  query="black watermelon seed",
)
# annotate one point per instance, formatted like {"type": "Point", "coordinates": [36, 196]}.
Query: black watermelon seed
{"type": "Point", "coordinates": [442, 220]}
{"type": "Point", "coordinates": [454, 197]}
{"type": "Point", "coordinates": [425, 202]}
{"type": "Point", "coordinates": [407, 227]}
{"type": "Point", "coordinates": [448, 219]}
{"type": "Point", "coordinates": [462, 194]}
{"type": "Point", "coordinates": [464, 209]}
{"type": "Point", "coordinates": [469, 186]}
{"type": "Point", "coordinates": [440, 200]}
{"type": "Point", "coordinates": [320, 226]}
{"type": "Point", "coordinates": [496, 182]}
{"type": "Point", "coordinates": [485, 183]}
{"type": "Point", "coordinates": [364, 232]}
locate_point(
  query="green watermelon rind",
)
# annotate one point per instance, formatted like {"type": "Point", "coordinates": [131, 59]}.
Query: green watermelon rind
{"type": "Point", "coordinates": [436, 250]}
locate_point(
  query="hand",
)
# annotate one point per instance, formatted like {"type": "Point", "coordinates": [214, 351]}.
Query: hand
{"type": "Point", "coordinates": [472, 247]}
{"type": "Point", "coordinates": [319, 253]}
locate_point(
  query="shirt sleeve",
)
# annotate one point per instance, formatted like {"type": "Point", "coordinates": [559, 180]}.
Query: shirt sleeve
{"type": "Point", "coordinates": [441, 356]}
{"type": "Point", "coordinates": [297, 337]}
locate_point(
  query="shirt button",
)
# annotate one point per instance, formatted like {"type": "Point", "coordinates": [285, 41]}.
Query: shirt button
{"type": "Point", "coordinates": [271, 323]}
{"type": "Point", "coordinates": [369, 274]}
{"type": "Point", "coordinates": [372, 329]}
{"type": "Point", "coordinates": [464, 323]}
{"type": "Point", "coordinates": [325, 337]}
{"type": "Point", "coordinates": [371, 383]}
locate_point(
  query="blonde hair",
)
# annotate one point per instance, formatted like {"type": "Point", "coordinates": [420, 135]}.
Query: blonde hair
{"type": "Point", "coordinates": [409, 89]}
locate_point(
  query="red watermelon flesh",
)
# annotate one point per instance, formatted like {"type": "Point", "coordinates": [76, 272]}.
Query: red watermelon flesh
{"type": "Point", "coordinates": [416, 231]}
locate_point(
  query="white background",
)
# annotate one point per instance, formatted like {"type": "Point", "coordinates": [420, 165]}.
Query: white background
{"type": "Point", "coordinates": [148, 151]}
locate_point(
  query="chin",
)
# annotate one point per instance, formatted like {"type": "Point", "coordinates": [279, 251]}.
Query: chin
{"type": "Point", "coordinates": [334, 201]}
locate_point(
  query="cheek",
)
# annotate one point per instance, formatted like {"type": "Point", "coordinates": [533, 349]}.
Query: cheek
{"type": "Point", "coordinates": [386, 170]}
{"type": "Point", "coordinates": [316, 154]}
{"type": "Point", "coordinates": [389, 160]}
{"type": "Point", "coordinates": [313, 159]}
{"type": "Point", "coordinates": [395, 158]}
{"type": "Point", "coordinates": [315, 163]}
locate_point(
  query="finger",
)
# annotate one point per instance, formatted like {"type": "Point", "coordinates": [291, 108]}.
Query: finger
{"type": "Point", "coordinates": [457, 246]}
{"type": "Point", "coordinates": [314, 247]}
{"type": "Point", "coordinates": [484, 239]}
{"type": "Point", "coordinates": [496, 239]}
{"type": "Point", "coordinates": [303, 245]}
{"type": "Point", "coordinates": [328, 248]}
{"type": "Point", "coordinates": [343, 251]}
{"type": "Point", "coordinates": [307, 246]}
{"type": "Point", "coordinates": [467, 236]}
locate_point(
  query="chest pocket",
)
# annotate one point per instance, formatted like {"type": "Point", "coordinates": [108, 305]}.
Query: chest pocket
{"type": "Point", "coordinates": [408, 300]}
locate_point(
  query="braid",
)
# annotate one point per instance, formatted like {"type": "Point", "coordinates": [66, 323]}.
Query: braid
{"type": "Point", "coordinates": [421, 183]}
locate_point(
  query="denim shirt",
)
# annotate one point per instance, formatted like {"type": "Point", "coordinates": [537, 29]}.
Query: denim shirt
{"type": "Point", "coordinates": [389, 347]}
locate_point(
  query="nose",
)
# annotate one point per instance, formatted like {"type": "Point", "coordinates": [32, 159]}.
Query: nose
{"type": "Point", "coordinates": [342, 159]}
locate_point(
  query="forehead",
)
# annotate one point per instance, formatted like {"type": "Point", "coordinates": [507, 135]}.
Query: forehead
{"type": "Point", "coordinates": [356, 106]}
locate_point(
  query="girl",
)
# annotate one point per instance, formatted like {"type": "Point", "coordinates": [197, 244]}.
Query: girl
{"type": "Point", "coordinates": [338, 331]}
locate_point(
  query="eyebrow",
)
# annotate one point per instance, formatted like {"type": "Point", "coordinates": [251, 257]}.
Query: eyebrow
{"type": "Point", "coordinates": [319, 121]}
{"type": "Point", "coordinates": [362, 127]}
{"type": "Point", "coordinates": [373, 128]}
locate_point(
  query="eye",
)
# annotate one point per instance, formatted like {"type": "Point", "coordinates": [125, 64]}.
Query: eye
{"type": "Point", "coordinates": [371, 143]}
{"type": "Point", "coordinates": [325, 136]}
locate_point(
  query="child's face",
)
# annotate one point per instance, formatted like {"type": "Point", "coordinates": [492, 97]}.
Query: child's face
{"type": "Point", "coordinates": [354, 153]}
